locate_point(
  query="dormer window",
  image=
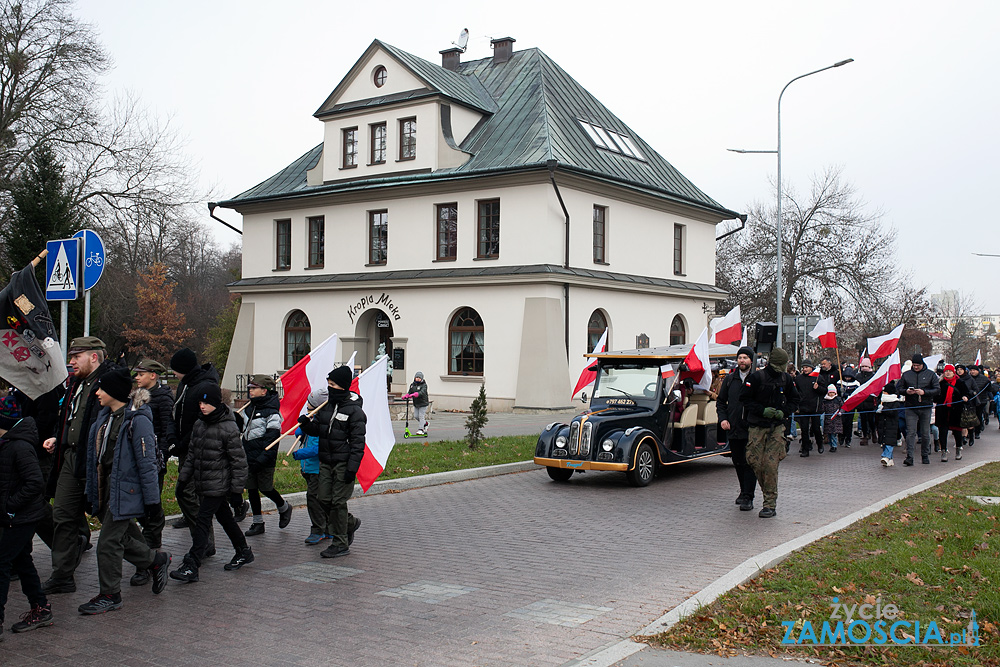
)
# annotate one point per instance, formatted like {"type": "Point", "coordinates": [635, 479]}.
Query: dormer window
{"type": "Point", "coordinates": [379, 76]}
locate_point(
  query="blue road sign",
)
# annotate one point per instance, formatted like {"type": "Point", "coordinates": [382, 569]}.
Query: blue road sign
{"type": "Point", "coordinates": [93, 257]}
{"type": "Point", "coordinates": [62, 270]}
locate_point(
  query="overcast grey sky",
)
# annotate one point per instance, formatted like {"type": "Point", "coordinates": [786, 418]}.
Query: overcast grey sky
{"type": "Point", "coordinates": [912, 122]}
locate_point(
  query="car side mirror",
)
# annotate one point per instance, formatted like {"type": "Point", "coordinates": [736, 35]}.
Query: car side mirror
{"type": "Point", "coordinates": [583, 397]}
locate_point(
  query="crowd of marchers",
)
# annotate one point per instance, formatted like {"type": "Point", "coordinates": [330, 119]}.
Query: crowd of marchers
{"type": "Point", "coordinates": [98, 446]}
{"type": "Point", "coordinates": [763, 411]}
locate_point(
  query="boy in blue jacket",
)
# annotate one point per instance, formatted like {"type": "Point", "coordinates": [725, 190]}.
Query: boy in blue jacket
{"type": "Point", "coordinates": [308, 458]}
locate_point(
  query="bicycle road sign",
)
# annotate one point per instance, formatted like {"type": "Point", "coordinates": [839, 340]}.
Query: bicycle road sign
{"type": "Point", "coordinates": [93, 257]}
{"type": "Point", "coordinates": [62, 266]}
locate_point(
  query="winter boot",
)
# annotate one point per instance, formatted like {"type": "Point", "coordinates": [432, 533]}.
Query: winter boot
{"type": "Point", "coordinates": [242, 557]}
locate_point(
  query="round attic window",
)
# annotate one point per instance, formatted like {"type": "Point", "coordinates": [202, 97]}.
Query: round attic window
{"type": "Point", "coordinates": [379, 76]}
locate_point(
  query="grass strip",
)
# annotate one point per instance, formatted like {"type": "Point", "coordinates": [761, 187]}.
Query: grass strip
{"type": "Point", "coordinates": [934, 555]}
{"type": "Point", "coordinates": [408, 459]}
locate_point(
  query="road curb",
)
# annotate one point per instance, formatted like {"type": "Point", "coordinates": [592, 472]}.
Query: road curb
{"type": "Point", "coordinates": [608, 655]}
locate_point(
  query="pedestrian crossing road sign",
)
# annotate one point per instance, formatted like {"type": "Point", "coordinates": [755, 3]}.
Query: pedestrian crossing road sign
{"type": "Point", "coordinates": [62, 270]}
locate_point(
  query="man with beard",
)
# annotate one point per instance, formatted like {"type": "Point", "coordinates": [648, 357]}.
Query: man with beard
{"type": "Point", "coordinates": [768, 394]}
{"type": "Point", "coordinates": [341, 425]}
{"type": "Point", "coordinates": [68, 480]}
{"type": "Point", "coordinates": [262, 427]}
{"type": "Point", "coordinates": [734, 425]}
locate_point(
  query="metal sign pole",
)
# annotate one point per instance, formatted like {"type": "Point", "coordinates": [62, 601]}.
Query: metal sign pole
{"type": "Point", "coordinates": [86, 313]}
{"type": "Point", "coordinates": [64, 327]}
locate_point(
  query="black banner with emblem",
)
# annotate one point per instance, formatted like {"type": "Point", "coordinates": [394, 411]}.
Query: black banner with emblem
{"type": "Point", "coordinates": [31, 358]}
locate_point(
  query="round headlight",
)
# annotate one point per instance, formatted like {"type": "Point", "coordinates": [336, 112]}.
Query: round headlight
{"type": "Point", "coordinates": [607, 445]}
{"type": "Point", "coordinates": [561, 441]}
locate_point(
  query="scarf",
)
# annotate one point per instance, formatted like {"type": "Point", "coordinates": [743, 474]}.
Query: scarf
{"type": "Point", "coordinates": [951, 388]}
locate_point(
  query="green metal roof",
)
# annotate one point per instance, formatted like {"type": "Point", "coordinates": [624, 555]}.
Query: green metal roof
{"type": "Point", "coordinates": [533, 107]}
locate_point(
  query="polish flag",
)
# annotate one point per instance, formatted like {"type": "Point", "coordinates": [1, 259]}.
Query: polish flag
{"type": "Point", "coordinates": [882, 346]}
{"type": "Point", "coordinates": [589, 374]}
{"type": "Point", "coordinates": [887, 372]}
{"type": "Point", "coordinates": [979, 358]}
{"type": "Point", "coordinates": [815, 373]}
{"type": "Point", "coordinates": [862, 357]}
{"type": "Point", "coordinates": [379, 438]}
{"type": "Point", "coordinates": [727, 329]}
{"type": "Point", "coordinates": [354, 382]}
{"type": "Point", "coordinates": [667, 371]}
{"type": "Point", "coordinates": [699, 367]}
{"type": "Point", "coordinates": [308, 375]}
{"type": "Point", "coordinates": [824, 332]}
{"type": "Point", "coordinates": [932, 361]}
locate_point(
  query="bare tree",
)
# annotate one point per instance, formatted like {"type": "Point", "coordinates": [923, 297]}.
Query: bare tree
{"type": "Point", "coordinates": [837, 256]}
{"type": "Point", "coordinates": [955, 317]}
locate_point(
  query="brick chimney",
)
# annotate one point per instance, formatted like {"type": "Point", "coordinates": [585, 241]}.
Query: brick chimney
{"type": "Point", "coordinates": [451, 58]}
{"type": "Point", "coordinates": [502, 49]}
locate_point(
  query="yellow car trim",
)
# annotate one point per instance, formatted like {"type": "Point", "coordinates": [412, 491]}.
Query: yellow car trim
{"type": "Point", "coordinates": [570, 464]}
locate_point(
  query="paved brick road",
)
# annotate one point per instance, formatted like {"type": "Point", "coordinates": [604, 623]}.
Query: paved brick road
{"type": "Point", "coordinates": [510, 570]}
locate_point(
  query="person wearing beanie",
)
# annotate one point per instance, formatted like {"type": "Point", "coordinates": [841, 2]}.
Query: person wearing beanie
{"type": "Point", "coordinates": [418, 392]}
{"type": "Point", "coordinates": [983, 394]}
{"type": "Point", "coordinates": [262, 426]}
{"type": "Point", "coordinates": [769, 396]}
{"type": "Point", "coordinates": [953, 398]}
{"type": "Point", "coordinates": [216, 466]}
{"type": "Point", "coordinates": [733, 425]}
{"type": "Point", "coordinates": [848, 385]}
{"type": "Point", "coordinates": [867, 407]}
{"type": "Point", "coordinates": [919, 386]}
{"type": "Point", "coordinates": [195, 379]}
{"type": "Point", "coordinates": [809, 403]}
{"type": "Point", "coordinates": [887, 421]}
{"type": "Point", "coordinates": [121, 487]}
{"type": "Point", "coordinates": [833, 428]}
{"type": "Point", "coordinates": [308, 457]}
{"type": "Point", "coordinates": [341, 425]}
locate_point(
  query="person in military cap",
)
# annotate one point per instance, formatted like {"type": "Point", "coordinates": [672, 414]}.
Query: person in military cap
{"type": "Point", "coordinates": [67, 482]}
{"type": "Point", "coordinates": [769, 395]}
{"type": "Point", "coordinates": [261, 427]}
{"type": "Point", "coordinates": [147, 376]}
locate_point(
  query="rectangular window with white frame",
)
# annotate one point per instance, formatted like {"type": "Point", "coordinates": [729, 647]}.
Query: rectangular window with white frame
{"type": "Point", "coordinates": [680, 235]}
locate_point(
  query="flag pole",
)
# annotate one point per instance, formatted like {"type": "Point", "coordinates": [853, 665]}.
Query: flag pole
{"type": "Point", "coordinates": [39, 258]}
{"type": "Point", "coordinates": [298, 441]}
{"type": "Point", "coordinates": [292, 429]}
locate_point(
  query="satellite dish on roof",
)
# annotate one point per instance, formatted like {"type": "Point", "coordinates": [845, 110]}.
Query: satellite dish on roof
{"type": "Point", "coordinates": [463, 39]}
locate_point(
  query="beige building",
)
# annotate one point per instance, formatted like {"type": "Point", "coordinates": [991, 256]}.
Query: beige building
{"type": "Point", "coordinates": [485, 220]}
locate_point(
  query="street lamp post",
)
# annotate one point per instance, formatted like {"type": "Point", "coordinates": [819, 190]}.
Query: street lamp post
{"type": "Point", "coordinates": [778, 280]}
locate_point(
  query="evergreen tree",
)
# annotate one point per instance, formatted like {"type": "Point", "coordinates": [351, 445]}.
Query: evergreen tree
{"type": "Point", "coordinates": [477, 420]}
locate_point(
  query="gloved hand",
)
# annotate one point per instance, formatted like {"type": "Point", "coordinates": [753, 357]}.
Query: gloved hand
{"type": "Point", "coordinates": [304, 420]}
{"type": "Point", "coordinates": [153, 511]}
{"type": "Point", "coordinates": [349, 477]}
{"type": "Point", "coordinates": [773, 413]}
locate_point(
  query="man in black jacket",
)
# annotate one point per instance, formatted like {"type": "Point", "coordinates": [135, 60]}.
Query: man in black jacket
{"type": "Point", "coordinates": [734, 425]}
{"type": "Point", "coordinates": [147, 376]}
{"type": "Point", "coordinates": [919, 386]}
{"type": "Point", "coordinates": [341, 425]}
{"type": "Point", "coordinates": [808, 419]}
{"type": "Point", "coordinates": [983, 390]}
{"type": "Point", "coordinates": [768, 395]}
{"type": "Point", "coordinates": [67, 482]}
{"type": "Point", "coordinates": [21, 492]}
{"type": "Point", "coordinates": [195, 380]}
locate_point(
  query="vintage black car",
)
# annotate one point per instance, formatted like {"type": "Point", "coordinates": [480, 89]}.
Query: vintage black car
{"type": "Point", "coordinates": [630, 425]}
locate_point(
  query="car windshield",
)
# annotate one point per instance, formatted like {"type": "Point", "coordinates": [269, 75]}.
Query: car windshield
{"type": "Point", "coordinates": [630, 381]}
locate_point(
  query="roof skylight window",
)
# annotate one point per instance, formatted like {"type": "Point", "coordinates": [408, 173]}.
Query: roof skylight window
{"type": "Point", "coordinates": [611, 141]}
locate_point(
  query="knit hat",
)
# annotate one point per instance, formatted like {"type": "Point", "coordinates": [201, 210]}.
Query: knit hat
{"type": "Point", "coordinates": [778, 359]}
{"type": "Point", "coordinates": [949, 367]}
{"type": "Point", "coordinates": [184, 360]}
{"type": "Point", "coordinates": [831, 389]}
{"type": "Point", "coordinates": [341, 376]}
{"type": "Point", "coordinates": [419, 374]}
{"type": "Point", "coordinates": [212, 395]}
{"type": "Point", "coordinates": [117, 384]}
{"type": "Point", "coordinates": [807, 362]}
{"type": "Point", "coordinates": [959, 367]}
{"type": "Point", "coordinates": [917, 358]}
{"type": "Point", "coordinates": [745, 350]}
{"type": "Point", "coordinates": [316, 399]}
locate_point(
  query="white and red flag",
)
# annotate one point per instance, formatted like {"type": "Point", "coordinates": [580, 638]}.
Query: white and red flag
{"type": "Point", "coordinates": [932, 361]}
{"type": "Point", "coordinates": [727, 329]}
{"type": "Point", "coordinates": [354, 382]}
{"type": "Point", "coordinates": [699, 366]}
{"type": "Point", "coordinates": [589, 374]}
{"type": "Point", "coordinates": [825, 333]}
{"type": "Point", "coordinates": [667, 371]}
{"type": "Point", "coordinates": [861, 359]}
{"type": "Point", "coordinates": [887, 372]}
{"type": "Point", "coordinates": [379, 438]}
{"type": "Point", "coordinates": [979, 358]}
{"type": "Point", "coordinates": [308, 375]}
{"type": "Point", "coordinates": [882, 346]}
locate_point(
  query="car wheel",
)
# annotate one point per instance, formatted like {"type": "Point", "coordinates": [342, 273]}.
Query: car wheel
{"type": "Point", "coordinates": [559, 474]}
{"type": "Point", "coordinates": [645, 467]}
